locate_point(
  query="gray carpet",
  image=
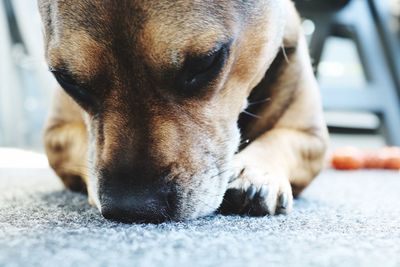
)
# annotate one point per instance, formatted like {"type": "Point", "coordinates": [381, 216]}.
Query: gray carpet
{"type": "Point", "coordinates": [343, 219]}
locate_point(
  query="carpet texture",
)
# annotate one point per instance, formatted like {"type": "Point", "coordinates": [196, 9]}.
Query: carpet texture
{"type": "Point", "coordinates": [342, 219]}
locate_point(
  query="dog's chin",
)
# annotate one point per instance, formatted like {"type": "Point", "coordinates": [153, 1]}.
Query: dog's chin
{"type": "Point", "coordinates": [203, 199]}
{"type": "Point", "coordinates": [206, 191]}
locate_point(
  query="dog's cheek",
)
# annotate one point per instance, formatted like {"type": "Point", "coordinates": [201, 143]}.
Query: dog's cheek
{"type": "Point", "coordinates": [233, 140]}
{"type": "Point", "coordinates": [214, 193]}
{"type": "Point", "coordinates": [207, 190]}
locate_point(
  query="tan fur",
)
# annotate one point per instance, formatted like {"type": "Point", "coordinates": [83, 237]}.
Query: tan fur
{"type": "Point", "coordinates": [84, 54]}
{"type": "Point", "coordinates": [66, 156]}
{"type": "Point", "coordinates": [145, 130]}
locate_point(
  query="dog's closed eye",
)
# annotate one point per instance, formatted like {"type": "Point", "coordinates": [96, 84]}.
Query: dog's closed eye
{"type": "Point", "coordinates": [199, 71]}
{"type": "Point", "coordinates": [74, 88]}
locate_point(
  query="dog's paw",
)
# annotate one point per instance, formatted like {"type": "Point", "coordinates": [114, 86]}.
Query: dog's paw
{"type": "Point", "coordinates": [258, 194]}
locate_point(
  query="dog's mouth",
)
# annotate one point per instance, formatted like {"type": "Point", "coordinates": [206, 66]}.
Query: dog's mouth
{"type": "Point", "coordinates": [161, 202]}
{"type": "Point", "coordinates": [156, 203]}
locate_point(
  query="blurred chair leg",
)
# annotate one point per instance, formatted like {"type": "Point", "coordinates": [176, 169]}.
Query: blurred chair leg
{"type": "Point", "coordinates": [321, 34]}
{"type": "Point", "coordinates": [356, 21]}
{"type": "Point", "coordinates": [376, 65]}
{"type": "Point", "coordinates": [390, 38]}
{"type": "Point", "coordinates": [11, 113]}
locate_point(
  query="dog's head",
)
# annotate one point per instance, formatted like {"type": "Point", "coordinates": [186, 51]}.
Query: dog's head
{"type": "Point", "coordinates": [163, 84]}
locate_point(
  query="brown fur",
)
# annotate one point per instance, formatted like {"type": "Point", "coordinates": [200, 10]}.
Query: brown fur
{"type": "Point", "coordinates": [126, 54]}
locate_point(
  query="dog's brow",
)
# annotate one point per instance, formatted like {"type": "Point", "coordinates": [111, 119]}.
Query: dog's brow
{"type": "Point", "coordinates": [78, 53]}
{"type": "Point", "coordinates": [168, 44]}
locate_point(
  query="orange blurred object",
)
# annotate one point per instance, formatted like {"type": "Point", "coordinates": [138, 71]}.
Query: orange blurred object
{"type": "Point", "coordinates": [347, 158]}
{"type": "Point", "coordinates": [392, 158]}
{"type": "Point", "coordinates": [352, 158]}
{"type": "Point", "coordinates": [374, 160]}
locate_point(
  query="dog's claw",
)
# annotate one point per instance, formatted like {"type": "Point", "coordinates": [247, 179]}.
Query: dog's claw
{"type": "Point", "coordinates": [283, 201]}
{"type": "Point", "coordinates": [259, 206]}
{"type": "Point", "coordinates": [263, 193]}
{"type": "Point", "coordinates": [251, 192]}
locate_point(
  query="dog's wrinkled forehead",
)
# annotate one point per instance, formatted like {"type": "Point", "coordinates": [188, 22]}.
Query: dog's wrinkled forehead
{"type": "Point", "coordinates": [161, 30]}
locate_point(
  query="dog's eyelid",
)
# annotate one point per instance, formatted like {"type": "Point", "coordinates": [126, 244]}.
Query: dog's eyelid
{"type": "Point", "coordinates": [74, 88]}
{"type": "Point", "coordinates": [200, 71]}
{"type": "Point", "coordinates": [60, 70]}
{"type": "Point", "coordinates": [212, 52]}
{"type": "Point", "coordinates": [66, 76]}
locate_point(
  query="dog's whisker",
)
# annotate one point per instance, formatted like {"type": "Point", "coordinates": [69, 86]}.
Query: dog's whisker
{"type": "Point", "coordinates": [284, 54]}
{"type": "Point", "coordinates": [259, 102]}
{"type": "Point", "coordinates": [251, 114]}
{"type": "Point", "coordinates": [220, 173]}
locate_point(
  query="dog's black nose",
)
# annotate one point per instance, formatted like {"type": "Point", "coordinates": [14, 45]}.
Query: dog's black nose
{"type": "Point", "coordinates": [150, 204]}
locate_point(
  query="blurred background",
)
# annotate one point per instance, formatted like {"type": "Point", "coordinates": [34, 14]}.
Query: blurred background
{"type": "Point", "coordinates": [355, 47]}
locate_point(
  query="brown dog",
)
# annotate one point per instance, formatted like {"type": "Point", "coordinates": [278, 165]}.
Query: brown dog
{"type": "Point", "coordinates": [160, 97]}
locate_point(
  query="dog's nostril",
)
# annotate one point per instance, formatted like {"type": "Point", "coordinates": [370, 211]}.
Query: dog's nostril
{"type": "Point", "coordinates": [139, 206]}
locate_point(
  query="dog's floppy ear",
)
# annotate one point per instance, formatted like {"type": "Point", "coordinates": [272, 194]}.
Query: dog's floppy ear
{"type": "Point", "coordinates": [293, 25]}
{"type": "Point", "coordinates": [45, 11]}
{"type": "Point", "coordinates": [46, 16]}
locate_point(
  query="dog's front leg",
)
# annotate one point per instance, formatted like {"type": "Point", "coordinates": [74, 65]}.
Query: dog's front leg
{"type": "Point", "coordinates": [65, 140]}
{"type": "Point", "coordinates": [281, 161]}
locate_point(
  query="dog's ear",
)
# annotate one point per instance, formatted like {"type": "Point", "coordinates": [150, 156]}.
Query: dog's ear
{"type": "Point", "coordinates": [46, 16]}
{"type": "Point", "coordinates": [44, 10]}
{"type": "Point", "coordinates": [293, 25]}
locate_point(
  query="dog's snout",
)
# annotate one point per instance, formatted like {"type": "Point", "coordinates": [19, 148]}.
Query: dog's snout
{"type": "Point", "coordinates": [151, 204]}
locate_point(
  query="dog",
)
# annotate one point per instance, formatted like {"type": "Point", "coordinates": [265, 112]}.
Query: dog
{"type": "Point", "coordinates": [173, 109]}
